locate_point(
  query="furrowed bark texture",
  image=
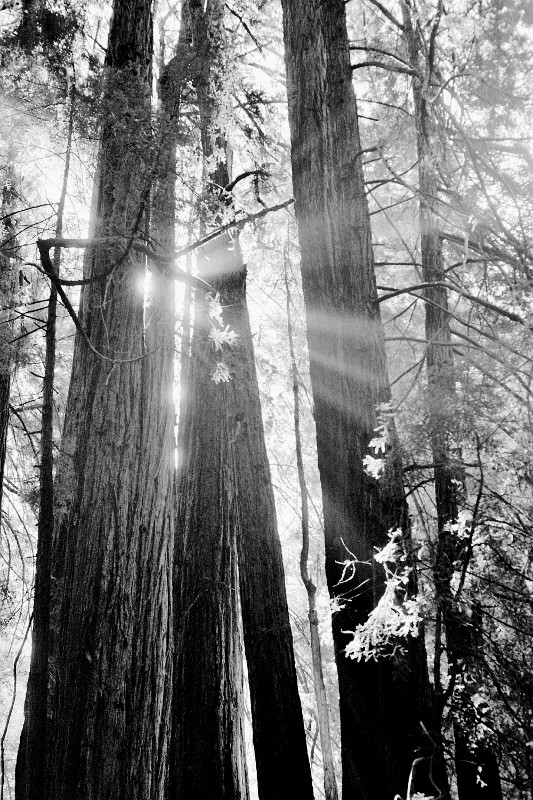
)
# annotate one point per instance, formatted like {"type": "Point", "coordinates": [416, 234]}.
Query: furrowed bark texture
{"type": "Point", "coordinates": [230, 544]}
{"type": "Point", "coordinates": [472, 760]}
{"type": "Point", "coordinates": [382, 703]}
{"type": "Point", "coordinates": [5, 383]}
{"type": "Point", "coordinates": [208, 756]}
{"type": "Point", "coordinates": [113, 542]}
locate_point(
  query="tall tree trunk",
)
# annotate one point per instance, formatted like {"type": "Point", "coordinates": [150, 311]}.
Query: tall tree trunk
{"type": "Point", "coordinates": [207, 751]}
{"type": "Point", "coordinates": [476, 763]}
{"type": "Point", "coordinates": [31, 757]}
{"type": "Point", "coordinates": [385, 704]}
{"type": "Point", "coordinates": [330, 780]}
{"type": "Point", "coordinates": [110, 675]}
{"type": "Point", "coordinates": [208, 756]}
{"type": "Point", "coordinates": [231, 544]}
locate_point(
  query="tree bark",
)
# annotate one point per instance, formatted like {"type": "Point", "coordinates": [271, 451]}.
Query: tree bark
{"type": "Point", "coordinates": [111, 605]}
{"type": "Point", "coordinates": [231, 545]}
{"type": "Point", "coordinates": [476, 764]}
{"type": "Point", "coordinates": [383, 703]}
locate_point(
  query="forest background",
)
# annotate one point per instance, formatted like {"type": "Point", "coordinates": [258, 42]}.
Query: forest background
{"type": "Point", "coordinates": [444, 112]}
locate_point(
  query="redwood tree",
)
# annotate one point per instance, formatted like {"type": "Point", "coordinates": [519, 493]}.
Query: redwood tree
{"type": "Point", "coordinates": [111, 605]}
{"type": "Point", "coordinates": [230, 553]}
{"type": "Point", "coordinates": [385, 704]}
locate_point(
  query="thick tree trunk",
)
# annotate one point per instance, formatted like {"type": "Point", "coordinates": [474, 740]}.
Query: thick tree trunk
{"type": "Point", "coordinates": [476, 763]}
{"type": "Point", "coordinates": [207, 750]}
{"type": "Point", "coordinates": [283, 771]}
{"type": "Point", "coordinates": [229, 523]}
{"type": "Point", "coordinates": [208, 757]}
{"type": "Point", "coordinates": [110, 676]}
{"type": "Point", "coordinates": [383, 703]}
{"type": "Point", "coordinates": [229, 507]}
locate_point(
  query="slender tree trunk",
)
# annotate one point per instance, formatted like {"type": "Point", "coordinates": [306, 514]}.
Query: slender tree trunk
{"type": "Point", "coordinates": [475, 763]}
{"type": "Point", "coordinates": [110, 675]}
{"type": "Point", "coordinates": [31, 757]}
{"type": "Point", "coordinates": [385, 704]}
{"type": "Point", "coordinates": [5, 383]}
{"type": "Point", "coordinates": [229, 522]}
{"type": "Point", "coordinates": [7, 300]}
{"type": "Point", "coordinates": [330, 780]}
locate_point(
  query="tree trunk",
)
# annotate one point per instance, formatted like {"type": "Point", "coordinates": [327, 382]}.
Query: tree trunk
{"type": "Point", "coordinates": [208, 757]}
{"type": "Point", "coordinates": [229, 504]}
{"type": "Point", "coordinates": [7, 299]}
{"type": "Point", "coordinates": [229, 523]}
{"type": "Point", "coordinates": [5, 383]}
{"type": "Point", "coordinates": [476, 763]}
{"type": "Point", "coordinates": [31, 757]}
{"type": "Point", "coordinates": [207, 752]}
{"type": "Point", "coordinates": [383, 703]}
{"type": "Point", "coordinates": [110, 675]}
{"type": "Point", "coordinates": [330, 780]}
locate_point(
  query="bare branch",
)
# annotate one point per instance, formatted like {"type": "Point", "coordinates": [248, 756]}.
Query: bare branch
{"type": "Point", "coordinates": [383, 65]}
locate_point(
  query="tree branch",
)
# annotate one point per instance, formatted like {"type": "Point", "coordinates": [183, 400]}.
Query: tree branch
{"type": "Point", "coordinates": [387, 13]}
{"type": "Point", "coordinates": [389, 67]}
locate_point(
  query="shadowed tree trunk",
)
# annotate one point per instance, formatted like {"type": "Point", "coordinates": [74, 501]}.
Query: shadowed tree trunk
{"type": "Point", "coordinates": [5, 382]}
{"type": "Point", "coordinates": [207, 750]}
{"type": "Point", "coordinates": [475, 762]}
{"type": "Point", "coordinates": [228, 519]}
{"type": "Point", "coordinates": [111, 605]}
{"type": "Point", "coordinates": [208, 755]}
{"type": "Point", "coordinates": [31, 758]}
{"type": "Point", "coordinates": [385, 705]}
